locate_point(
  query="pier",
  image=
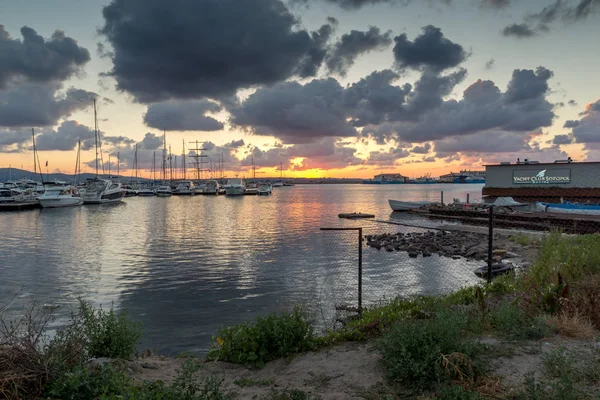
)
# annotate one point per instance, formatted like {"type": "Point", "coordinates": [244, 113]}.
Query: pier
{"type": "Point", "coordinates": [28, 205]}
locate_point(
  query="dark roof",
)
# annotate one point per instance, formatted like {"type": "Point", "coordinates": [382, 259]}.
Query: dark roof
{"type": "Point", "coordinates": [551, 163]}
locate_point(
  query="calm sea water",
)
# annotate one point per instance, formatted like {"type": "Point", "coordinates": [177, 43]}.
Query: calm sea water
{"type": "Point", "coordinates": [186, 265]}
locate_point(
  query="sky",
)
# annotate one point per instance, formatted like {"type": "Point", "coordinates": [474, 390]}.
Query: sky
{"type": "Point", "coordinates": [318, 88]}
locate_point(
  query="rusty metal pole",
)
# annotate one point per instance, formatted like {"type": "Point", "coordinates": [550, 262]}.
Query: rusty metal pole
{"type": "Point", "coordinates": [490, 243]}
{"type": "Point", "coordinates": [360, 271]}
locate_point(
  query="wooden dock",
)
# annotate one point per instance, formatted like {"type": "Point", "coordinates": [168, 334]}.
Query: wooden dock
{"type": "Point", "coordinates": [541, 221]}
{"type": "Point", "coordinates": [28, 205]}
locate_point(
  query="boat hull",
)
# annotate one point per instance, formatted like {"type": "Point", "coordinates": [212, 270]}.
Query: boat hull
{"type": "Point", "coordinates": [398, 205]}
{"type": "Point", "coordinates": [59, 202]}
{"type": "Point", "coordinates": [569, 208]}
{"type": "Point", "coordinates": [235, 191]}
{"type": "Point", "coordinates": [163, 194]}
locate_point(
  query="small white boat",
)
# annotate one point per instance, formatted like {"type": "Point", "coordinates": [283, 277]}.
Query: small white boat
{"type": "Point", "coordinates": [278, 184]}
{"type": "Point", "coordinates": [398, 205]}
{"type": "Point", "coordinates": [264, 189]}
{"type": "Point", "coordinates": [211, 187]}
{"type": "Point", "coordinates": [186, 188]}
{"type": "Point", "coordinates": [129, 191]}
{"type": "Point", "coordinates": [569, 208]}
{"type": "Point", "coordinates": [164, 191]}
{"type": "Point", "coordinates": [59, 194]}
{"type": "Point", "coordinates": [9, 194]}
{"type": "Point", "coordinates": [235, 187]}
{"type": "Point", "coordinates": [146, 192]}
{"type": "Point", "coordinates": [102, 191]}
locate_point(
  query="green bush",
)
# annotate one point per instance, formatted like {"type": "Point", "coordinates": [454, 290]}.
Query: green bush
{"type": "Point", "coordinates": [83, 383]}
{"type": "Point", "coordinates": [265, 339]}
{"type": "Point", "coordinates": [412, 350]}
{"type": "Point", "coordinates": [455, 392]}
{"type": "Point", "coordinates": [514, 323]}
{"type": "Point", "coordinates": [109, 333]}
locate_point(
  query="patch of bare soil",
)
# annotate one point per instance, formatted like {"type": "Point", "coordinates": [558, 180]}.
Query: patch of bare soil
{"type": "Point", "coordinates": [345, 371]}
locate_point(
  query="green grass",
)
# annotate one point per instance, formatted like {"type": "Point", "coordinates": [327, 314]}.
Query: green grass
{"type": "Point", "coordinates": [290, 394]}
{"type": "Point", "coordinates": [264, 339]}
{"type": "Point", "coordinates": [513, 323]}
{"type": "Point", "coordinates": [524, 239]}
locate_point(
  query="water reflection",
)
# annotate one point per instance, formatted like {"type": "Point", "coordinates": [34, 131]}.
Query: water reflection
{"type": "Point", "coordinates": [187, 265]}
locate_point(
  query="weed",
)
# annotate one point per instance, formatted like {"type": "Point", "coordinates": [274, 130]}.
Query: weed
{"type": "Point", "coordinates": [109, 333]}
{"type": "Point", "coordinates": [265, 339]}
{"type": "Point", "coordinates": [290, 394]}
{"type": "Point", "coordinates": [514, 323]}
{"type": "Point", "coordinates": [573, 326]}
{"type": "Point", "coordinates": [89, 383]}
{"type": "Point", "coordinates": [412, 350]}
{"type": "Point", "coordinates": [456, 392]}
{"type": "Point", "coordinates": [523, 239]}
{"type": "Point", "coordinates": [249, 382]}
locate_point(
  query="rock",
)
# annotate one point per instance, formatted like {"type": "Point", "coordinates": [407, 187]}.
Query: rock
{"type": "Point", "coordinates": [510, 255]}
{"type": "Point", "coordinates": [389, 248]}
{"type": "Point", "coordinates": [497, 258]}
{"type": "Point", "coordinates": [456, 257]}
{"type": "Point", "coordinates": [426, 253]}
{"type": "Point", "coordinates": [499, 252]}
{"type": "Point", "coordinates": [149, 365]}
{"type": "Point", "coordinates": [413, 254]}
{"type": "Point", "coordinates": [98, 362]}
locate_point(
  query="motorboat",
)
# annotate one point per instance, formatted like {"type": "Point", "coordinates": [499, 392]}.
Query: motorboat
{"type": "Point", "coordinates": [185, 188]}
{"type": "Point", "coordinates": [102, 191]}
{"type": "Point", "coordinates": [235, 187]}
{"type": "Point", "coordinates": [59, 194]}
{"type": "Point", "coordinates": [164, 191]}
{"type": "Point", "coordinates": [496, 270]}
{"type": "Point", "coordinates": [10, 194]}
{"type": "Point", "coordinates": [277, 184]}
{"type": "Point", "coordinates": [199, 189]}
{"type": "Point", "coordinates": [569, 208]}
{"type": "Point", "coordinates": [129, 191]}
{"type": "Point", "coordinates": [264, 189]}
{"type": "Point", "coordinates": [398, 205]}
{"type": "Point", "coordinates": [146, 192]}
{"type": "Point", "coordinates": [211, 187]}
{"type": "Point", "coordinates": [251, 189]}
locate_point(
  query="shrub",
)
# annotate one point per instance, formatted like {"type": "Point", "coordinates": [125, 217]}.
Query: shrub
{"type": "Point", "coordinates": [514, 323]}
{"type": "Point", "coordinates": [83, 383]}
{"type": "Point", "coordinates": [412, 350]}
{"type": "Point", "coordinates": [109, 333]}
{"type": "Point", "coordinates": [455, 392]}
{"type": "Point", "coordinates": [265, 339]}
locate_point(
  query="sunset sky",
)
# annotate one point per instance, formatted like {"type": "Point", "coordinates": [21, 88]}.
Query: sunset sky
{"type": "Point", "coordinates": [329, 88]}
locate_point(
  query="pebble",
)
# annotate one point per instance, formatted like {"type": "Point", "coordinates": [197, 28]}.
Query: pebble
{"type": "Point", "coordinates": [149, 365]}
{"type": "Point", "coordinates": [413, 254]}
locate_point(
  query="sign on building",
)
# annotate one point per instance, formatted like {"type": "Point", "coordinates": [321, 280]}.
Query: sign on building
{"type": "Point", "coordinates": [542, 177]}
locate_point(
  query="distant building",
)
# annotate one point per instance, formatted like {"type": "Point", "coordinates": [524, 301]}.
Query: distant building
{"type": "Point", "coordinates": [463, 176]}
{"type": "Point", "coordinates": [389, 178]}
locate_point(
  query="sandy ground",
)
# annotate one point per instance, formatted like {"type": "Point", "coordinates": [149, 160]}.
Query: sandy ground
{"type": "Point", "coordinates": [345, 371]}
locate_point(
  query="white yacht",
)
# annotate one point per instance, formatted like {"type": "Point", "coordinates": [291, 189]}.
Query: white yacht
{"type": "Point", "coordinates": [59, 194]}
{"type": "Point", "coordinates": [199, 189]}
{"type": "Point", "coordinates": [9, 194]}
{"type": "Point", "coordinates": [264, 189]}
{"type": "Point", "coordinates": [102, 191]}
{"type": "Point", "coordinates": [278, 184]}
{"type": "Point", "coordinates": [146, 192]}
{"type": "Point", "coordinates": [211, 187]}
{"type": "Point", "coordinates": [185, 188]}
{"type": "Point", "coordinates": [235, 187]}
{"type": "Point", "coordinates": [164, 191]}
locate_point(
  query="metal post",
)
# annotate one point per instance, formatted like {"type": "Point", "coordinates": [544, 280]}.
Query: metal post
{"type": "Point", "coordinates": [360, 271]}
{"type": "Point", "coordinates": [490, 243]}
{"type": "Point", "coordinates": [468, 198]}
{"type": "Point", "coordinates": [442, 196]}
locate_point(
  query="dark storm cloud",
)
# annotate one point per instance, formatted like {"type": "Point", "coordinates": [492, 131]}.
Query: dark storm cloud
{"type": "Point", "coordinates": [353, 44]}
{"type": "Point", "coordinates": [522, 108]}
{"type": "Point", "coordinates": [587, 129]}
{"type": "Point", "coordinates": [357, 4]}
{"type": "Point", "coordinates": [430, 49]}
{"type": "Point", "coordinates": [491, 141]}
{"type": "Point", "coordinates": [421, 149]}
{"type": "Point", "coordinates": [572, 103]}
{"type": "Point", "coordinates": [37, 59]}
{"type": "Point", "coordinates": [117, 141]}
{"type": "Point", "coordinates": [429, 92]}
{"type": "Point", "coordinates": [188, 115]}
{"type": "Point", "coordinates": [66, 137]}
{"type": "Point", "coordinates": [151, 141]}
{"type": "Point", "coordinates": [206, 48]}
{"type": "Point", "coordinates": [496, 4]}
{"type": "Point", "coordinates": [429, 159]}
{"type": "Point", "coordinates": [234, 144]}
{"type": "Point", "coordinates": [520, 31]}
{"type": "Point", "coordinates": [571, 123]}
{"type": "Point", "coordinates": [387, 158]}
{"type": "Point", "coordinates": [295, 113]}
{"type": "Point", "coordinates": [14, 140]}
{"type": "Point", "coordinates": [562, 139]}
{"type": "Point", "coordinates": [28, 104]}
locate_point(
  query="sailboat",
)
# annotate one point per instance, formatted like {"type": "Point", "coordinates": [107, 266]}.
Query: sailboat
{"type": "Point", "coordinates": [280, 182]}
{"type": "Point", "coordinates": [101, 191]}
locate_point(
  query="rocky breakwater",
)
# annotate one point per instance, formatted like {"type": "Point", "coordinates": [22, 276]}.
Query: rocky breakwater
{"type": "Point", "coordinates": [469, 245]}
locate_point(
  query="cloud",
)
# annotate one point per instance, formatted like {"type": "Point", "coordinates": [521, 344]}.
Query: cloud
{"type": "Point", "coordinates": [234, 144]}
{"type": "Point", "coordinates": [66, 137]}
{"type": "Point", "coordinates": [491, 141]}
{"type": "Point", "coordinates": [387, 158]}
{"type": "Point", "coordinates": [295, 113]}
{"type": "Point", "coordinates": [28, 104]}
{"type": "Point", "coordinates": [496, 4]}
{"type": "Point", "coordinates": [358, 4]}
{"type": "Point", "coordinates": [353, 44]}
{"type": "Point", "coordinates": [421, 149]}
{"type": "Point", "coordinates": [489, 64]}
{"type": "Point", "coordinates": [14, 140]}
{"type": "Point", "coordinates": [520, 31]}
{"type": "Point", "coordinates": [572, 102]}
{"type": "Point", "coordinates": [587, 129]}
{"type": "Point", "coordinates": [39, 60]}
{"type": "Point", "coordinates": [562, 139]}
{"type": "Point", "coordinates": [117, 141]}
{"type": "Point", "coordinates": [429, 159]}
{"type": "Point", "coordinates": [571, 123]}
{"type": "Point", "coordinates": [188, 115]}
{"type": "Point", "coordinates": [194, 49]}
{"type": "Point", "coordinates": [430, 49]}
{"type": "Point", "coordinates": [522, 108]}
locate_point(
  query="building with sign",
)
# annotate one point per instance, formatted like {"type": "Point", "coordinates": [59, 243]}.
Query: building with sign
{"type": "Point", "coordinates": [528, 181]}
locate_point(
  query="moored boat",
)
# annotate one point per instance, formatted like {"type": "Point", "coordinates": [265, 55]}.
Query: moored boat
{"type": "Point", "coordinates": [211, 187]}
{"type": "Point", "coordinates": [569, 208]}
{"type": "Point", "coordinates": [102, 191]}
{"type": "Point", "coordinates": [235, 187]}
{"type": "Point", "coordinates": [59, 194]}
{"type": "Point", "coordinates": [146, 192]}
{"type": "Point", "coordinates": [264, 189]}
{"type": "Point", "coordinates": [398, 205]}
{"type": "Point", "coordinates": [185, 188]}
{"type": "Point", "coordinates": [164, 191]}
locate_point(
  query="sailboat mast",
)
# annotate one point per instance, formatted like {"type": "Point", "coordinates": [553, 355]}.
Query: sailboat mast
{"type": "Point", "coordinates": [78, 161]}
{"type": "Point", "coordinates": [170, 164]}
{"type": "Point", "coordinates": [34, 160]}
{"type": "Point", "coordinates": [109, 165]}
{"type": "Point", "coordinates": [164, 158]}
{"type": "Point", "coordinates": [96, 135]}
{"type": "Point", "coordinates": [154, 166]}
{"type": "Point", "coordinates": [118, 163]}
{"type": "Point", "coordinates": [183, 155]}
{"type": "Point", "coordinates": [281, 170]}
